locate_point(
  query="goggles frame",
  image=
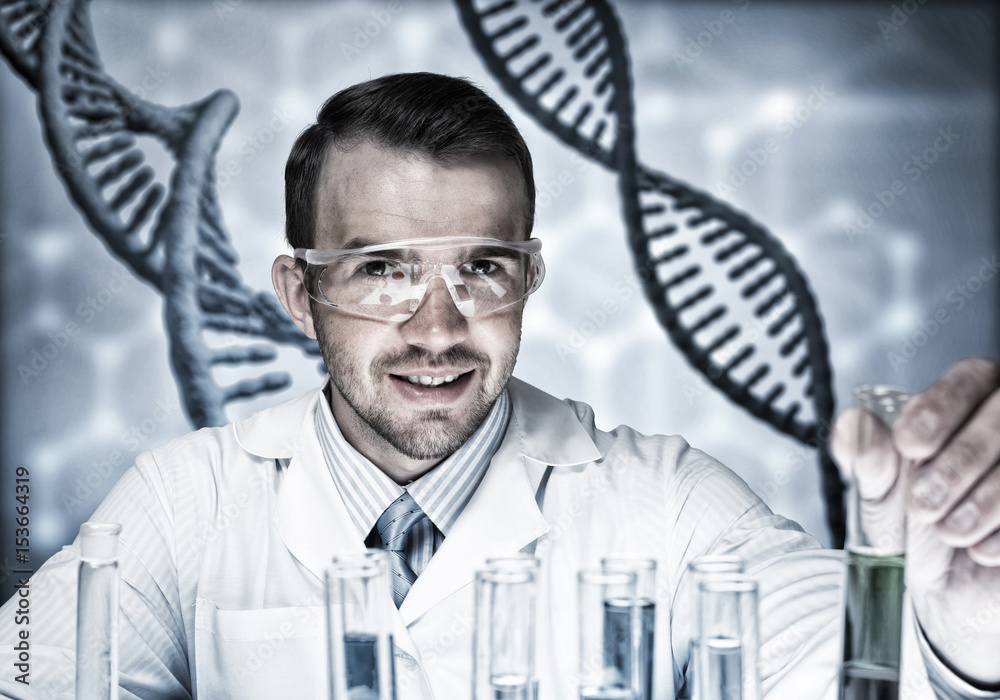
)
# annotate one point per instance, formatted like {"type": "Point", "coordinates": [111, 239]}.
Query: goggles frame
{"type": "Point", "coordinates": [315, 258]}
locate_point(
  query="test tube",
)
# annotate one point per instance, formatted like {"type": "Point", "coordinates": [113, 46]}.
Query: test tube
{"type": "Point", "coordinates": [360, 642]}
{"type": "Point", "coordinates": [521, 560]}
{"type": "Point", "coordinates": [873, 609]}
{"type": "Point", "coordinates": [727, 650]}
{"type": "Point", "coordinates": [606, 599]}
{"type": "Point", "coordinates": [643, 617]}
{"type": "Point", "coordinates": [702, 569]}
{"type": "Point", "coordinates": [503, 648]}
{"type": "Point", "coordinates": [514, 561]}
{"type": "Point", "coordinates": [97, 612]}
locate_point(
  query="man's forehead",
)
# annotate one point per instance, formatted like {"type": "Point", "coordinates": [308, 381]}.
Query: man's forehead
{"type": "Point", "coordinates": [369, 195]}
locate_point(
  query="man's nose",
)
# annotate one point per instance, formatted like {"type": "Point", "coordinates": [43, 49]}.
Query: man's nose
{"type": "Point", "coordinates": [437, 323]}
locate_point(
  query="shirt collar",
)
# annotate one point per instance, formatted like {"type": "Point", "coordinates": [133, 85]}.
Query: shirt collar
{"type": "Point", "coordinates": [442, 493]}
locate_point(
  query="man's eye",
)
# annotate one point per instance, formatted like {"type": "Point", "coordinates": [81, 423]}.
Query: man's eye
{"type": "Point", "coordinates": [376, 268]}
{"type": "Point", "coordinates": [481, 267]}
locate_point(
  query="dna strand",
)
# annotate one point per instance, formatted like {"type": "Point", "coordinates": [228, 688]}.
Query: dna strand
{"type": "Point", "coordinates": [727, 292]}
{"type": "Point", "coordinates": [172, 236]}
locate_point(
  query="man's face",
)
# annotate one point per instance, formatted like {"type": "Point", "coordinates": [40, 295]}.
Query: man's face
{"type": "Point", "coordinates": [367, 196]}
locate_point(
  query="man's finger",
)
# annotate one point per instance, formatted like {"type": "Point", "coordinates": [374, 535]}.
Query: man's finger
{"type": "Point", "coordinates": [940, 486]}
{"type": "Point", "coordinates": [987, 551]}
{"type": "Point", "coordinates": [931, 417]}
{"type": "Point", "coordinates": [976, 516]}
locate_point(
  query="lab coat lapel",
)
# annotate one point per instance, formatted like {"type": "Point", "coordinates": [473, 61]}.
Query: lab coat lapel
{"type": "Point", "coordinates": [310, 515]}
{"type": "Point", "coordinates": [500, 518]}
{"type": "Point", "coordinates": [313, 521]}
{"type": "Point", "coordinates": [503, 516]}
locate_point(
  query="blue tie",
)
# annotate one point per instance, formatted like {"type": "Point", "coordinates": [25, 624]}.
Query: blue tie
{"type": "Point", "coordinates": [394, 527]}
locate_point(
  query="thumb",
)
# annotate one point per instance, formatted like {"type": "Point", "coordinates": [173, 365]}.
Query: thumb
{"type": "Point", "coordinates": [863, 448]}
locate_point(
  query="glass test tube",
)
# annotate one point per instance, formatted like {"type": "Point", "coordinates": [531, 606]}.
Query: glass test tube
{"type": "Point", "coordinates": [605, 603]}
{"type": "Point", "coordinates": [360, 640]}
{"type": "Point", "coordinates": [529, 561]}
{"type": "Point", "coordinates": [641, 619]}
{"type": "Point", "coordinates": [873, 610]}
{"type": "Point", "coordinates": [727, 650]}
{"type": "Point", "coordinates": [514, 561]}
{"type": "Point", "coordinates": [97, 613]}
{"type": "Point", "coordinates": [503, 647]}
{"type": "Point", "coordinates": [701, 569]}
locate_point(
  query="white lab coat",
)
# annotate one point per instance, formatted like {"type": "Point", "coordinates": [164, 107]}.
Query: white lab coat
{"type": "Point", "coordinates": [227, 532]}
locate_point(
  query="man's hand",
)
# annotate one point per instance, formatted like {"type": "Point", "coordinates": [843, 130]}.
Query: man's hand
{"type": "Point", "coordinates": [942, 467]}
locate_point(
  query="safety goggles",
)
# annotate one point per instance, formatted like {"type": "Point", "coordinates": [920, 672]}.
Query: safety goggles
{"type": "Point", "coordinates": [389, 280]}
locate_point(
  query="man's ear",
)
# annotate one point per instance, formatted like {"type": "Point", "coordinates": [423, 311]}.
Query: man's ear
{"type": "Point", "coordinates": [286, 276]}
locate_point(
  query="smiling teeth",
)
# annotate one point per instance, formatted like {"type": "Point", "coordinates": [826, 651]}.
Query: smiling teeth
{"type": "Point", "coordinates": [431, 381]}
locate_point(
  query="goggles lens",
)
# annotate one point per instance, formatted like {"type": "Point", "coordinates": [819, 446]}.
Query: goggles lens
{"type": "Point", "coordinates": [388, 281]}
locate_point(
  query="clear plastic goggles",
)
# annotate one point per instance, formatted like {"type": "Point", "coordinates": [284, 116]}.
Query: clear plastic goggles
{"type": "Point", "coordinates": [389, 280]}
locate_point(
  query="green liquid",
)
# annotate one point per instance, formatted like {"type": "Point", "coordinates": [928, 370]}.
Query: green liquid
{"type": "Point", "coordinates": [862, 683]}
{"type": "Point", "coordinates": [873, 621]}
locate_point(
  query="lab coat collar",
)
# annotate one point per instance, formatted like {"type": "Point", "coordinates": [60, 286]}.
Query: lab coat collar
{"type": "Point", "coordinates": [548, 429]}
{"type": "Point", "coordinates": [274, 432]}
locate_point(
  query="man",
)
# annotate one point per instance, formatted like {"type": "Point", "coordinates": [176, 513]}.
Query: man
{"type": "Point", "coordinates": [409, 205]}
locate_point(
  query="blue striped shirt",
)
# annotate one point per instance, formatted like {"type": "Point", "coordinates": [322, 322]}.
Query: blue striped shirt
{"type": "Point", "coordinates": [442, 493]}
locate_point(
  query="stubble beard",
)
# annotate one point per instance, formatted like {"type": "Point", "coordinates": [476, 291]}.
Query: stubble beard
{"type": "Point", "coordinates": [431, 434]}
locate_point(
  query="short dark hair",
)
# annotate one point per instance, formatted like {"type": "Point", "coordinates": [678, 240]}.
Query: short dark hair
{"type": "Point", "coordinates": [437, 116]}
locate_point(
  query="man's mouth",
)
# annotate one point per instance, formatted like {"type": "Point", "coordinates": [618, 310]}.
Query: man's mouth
{"type": "Point", "coordinates": [424, 380]}
{"type": "Point", "coordinates": [433, 381]}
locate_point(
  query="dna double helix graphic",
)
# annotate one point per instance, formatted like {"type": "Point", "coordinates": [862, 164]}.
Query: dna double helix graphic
{"type": "Point", "coordinates": [726, 291]}
{"type": "Point", "coordinates": [170, 233]}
